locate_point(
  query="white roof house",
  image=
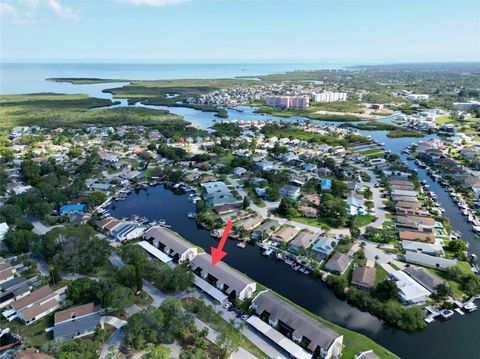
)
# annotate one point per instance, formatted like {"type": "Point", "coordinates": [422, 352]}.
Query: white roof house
{"type": "Point", "coordinates": [429, 261]}
{"type": "Point", "coordinates": [171, 244]}
{"type": "Point", "coordinates": [154, 251]}
{"type": "Point", "coordinates": [421, 247]}
{"type": "Point", "coordinates": [410, 291]}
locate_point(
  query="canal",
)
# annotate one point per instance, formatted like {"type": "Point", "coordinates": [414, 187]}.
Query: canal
{"type": "Point", "coordinates": [456, 338]}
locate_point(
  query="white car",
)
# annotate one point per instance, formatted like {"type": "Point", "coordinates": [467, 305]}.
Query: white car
{"type": "Point", "coordinates": [227, 305]}
{"type": "Point", "coordinates": [245, 317]}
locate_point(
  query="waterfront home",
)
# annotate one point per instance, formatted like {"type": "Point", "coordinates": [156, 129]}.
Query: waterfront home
{"type": "Point", "coordinates": [407, 208]}
{"type": "Point", "coordinates": [171, 244]}
{"type": "Point", "coordinates": [292, 348]}
{"type": "Point", "coordinates": [415, 223]}
{"type": "Point", "coordinates": [427, 279]}
{"type": "Point", "coordinates": [76, 322]}
{"type": "Point", "coordinates": [429, 261]}
{"type": "Point", "coordinates": [318, 339]}
{"type": "Point", "coordinates": [416, 236]}
{"type": "Point", "coordinates": [265, 230]}
{"type": "Point", "coordinates": [338, 263]}
{"type": "Point", "coordinates": [126, 231]}
{"type": "Point", "coordinates": [223, 277]}
{"type": "Point", "coordinates": [249, 223]}
{"type": "Point", "coordinates": [403, 193]}
{"type": "Point", "coordinates": [233, 216]}
{"type": "Point", "coordinates": [363, 277]}
{"type": "Point", "coordinates": [35, 305]}
{"type": "Point", "coordinates": [369, 354]}
{"type": "Point", "coordinates": [218, 194]}
{"type": "Point", "coordinates": [405, 199]}
{"type": "Point", "coordinates": [226, 208]}
{"type": "Point", "coordinates": [433, 249]}
{"type": "Point", "coordinates": [108, 223]}
{"type": "Point", "coordinates": [284, 235]}
{"type": "Point", "coordinates": [323, 248]}
{"type": "Point", "coordinates": [289, 191]}
{"type": "Point", "coordinates": [409, 291]}
{"type": "Point", "coordinates": [303, 241]}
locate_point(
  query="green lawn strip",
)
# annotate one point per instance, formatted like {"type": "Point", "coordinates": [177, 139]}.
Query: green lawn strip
{"type": "Point", "coordinates": [34, 334]}
{"type": "Point", "coordinates": [365, 219]}
{"type": "Point", "coordinates": [380, 273]}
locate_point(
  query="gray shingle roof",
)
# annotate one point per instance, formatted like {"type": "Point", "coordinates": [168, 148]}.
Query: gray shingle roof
{"type": "Point", "coordinates": [169, 240]}
{"type": "Point", "coordinates": [70, 329]}
{"type": "Point", "coordinates": [425, 278]}
{"type": "Point", "coordinates": [223, 273]}
{"type": "Point", "coordinates": [302, 324]}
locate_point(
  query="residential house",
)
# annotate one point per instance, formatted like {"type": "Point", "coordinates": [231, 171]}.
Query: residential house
{"type": "Point", "coordinates": [363, 277]}
{"type": "Point", "coordinates": [301, 242]}
{"type": "Point", "coordinates": [265, 230]}
{"type": "Point", "coordinates": [410, 292]}
{"type": "Point", "coordinates": [323, 248]}
{"type": "Point", "coordinates": [284, 235]}
{"type": "Point", "coordinates": [319, 340]}
{"type": "Point", "coordinates": [313, 199]}
{"type": "Point", "coordinates": [417, 236]}
{"type": "Point", "coordinates": [76, 322]}
{"type": "Point", "coordinates": [369, 354]}
{"type": "Point", "coordinates": [290, 191]}
{"type": "Point", "coordinates": [7, 272]}
{"type": "Point", "coordinates": [223, 277]}
{"type": "Point", "coordinates": [356, 204]}
{"type": "Point", "coordinates": [415, 223]}
{"type": "Point", "coordinates": [36, 305]}
{"type": "Point", "coordinates": [433, 249]}
{"type": "Point", "coordinates": [307, 211]}
{"type": "Point", "coordinates": [3, 230]}
{"type": "Point", "coordinates": [326, 184]}
{"type": "Point", "coordinates": [249, 223]}
{"type": "Point", "coordinates": [427, 279]}
{"type": "Point", "coordinates": [426, 260]}
{"type": "Point", "coordinates": [338, 263]}
{"type": "Point", "coordinates": [218, 194]}
{"type": "Point", "coordinates": [170, 243]}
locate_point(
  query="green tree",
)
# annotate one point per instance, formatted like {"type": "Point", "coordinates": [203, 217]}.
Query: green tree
{"type": "Point", "coordinates": [229, 342]}
{"type": "Point", "coordinates": [157, 352]}
{"type": "Point", "coordinates": [386, 290]}
{"type": "Point", "coordinates": [246, 202]}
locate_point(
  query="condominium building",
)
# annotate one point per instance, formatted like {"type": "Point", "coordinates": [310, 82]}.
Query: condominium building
{"type": "Point", "coordinates": [329, 96]}
{"type": "Point", "coordinates": [287, 101]}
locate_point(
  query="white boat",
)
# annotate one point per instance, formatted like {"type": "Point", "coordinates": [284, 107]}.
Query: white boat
{"type": "Point", "coordinates": [267, 252]}
{"type": "Point", "coordinates": [470, 307]}
{"type": "Point", "coordinates": [279, 255]}
{"type": "Point", "coordinates": [289, 262]}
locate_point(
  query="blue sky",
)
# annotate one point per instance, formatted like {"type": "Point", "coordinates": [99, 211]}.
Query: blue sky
{"type": "Point", "coordinates": [319, 31]}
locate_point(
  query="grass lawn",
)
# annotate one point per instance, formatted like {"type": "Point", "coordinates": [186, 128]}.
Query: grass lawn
{"type": "Point", "coordinates": [364, 220]}
{"type": "Point", "coordinates": [317, 222]}
{"type": "Point", "coordinates": [380, 274]}
{"type": "Point", "coordinates": [33, 334]}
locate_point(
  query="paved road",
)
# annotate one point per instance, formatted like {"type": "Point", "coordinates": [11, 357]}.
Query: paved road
{"type": "Point", "coordinates": [41, 229]}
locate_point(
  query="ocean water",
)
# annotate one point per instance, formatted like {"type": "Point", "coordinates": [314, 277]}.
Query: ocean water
{"type": "Point", "coordinates": [18, 78]}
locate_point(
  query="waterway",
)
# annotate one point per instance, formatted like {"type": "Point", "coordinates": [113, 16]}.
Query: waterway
{"type": "Point", "coordinates": [453, 339]}
{"type": "Point", "coordinates": [456, 338]}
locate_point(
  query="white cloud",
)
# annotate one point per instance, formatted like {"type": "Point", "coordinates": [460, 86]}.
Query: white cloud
{"type": "Point", "coordinates": [155, 3]}
{"type": "Point", "coordinates": [33, 11]}
{"type": "Point", "coordinates": [60, 9]}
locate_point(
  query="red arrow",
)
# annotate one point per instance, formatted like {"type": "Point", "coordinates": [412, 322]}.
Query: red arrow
{"type": "Point", "coordinates": [218, 253]}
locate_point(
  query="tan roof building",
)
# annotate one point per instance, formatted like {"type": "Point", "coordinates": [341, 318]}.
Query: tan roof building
{"type": "Point", "coordinates": [36, 305]}
{"type": "Point", "coordinates": [363, 277]}
{"type": "Point", "coordinates": [285, 234]}
{"type": "Point", "coordinates": [417, 236]}
{"type": "Point", "coordinates": [32, 353]}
